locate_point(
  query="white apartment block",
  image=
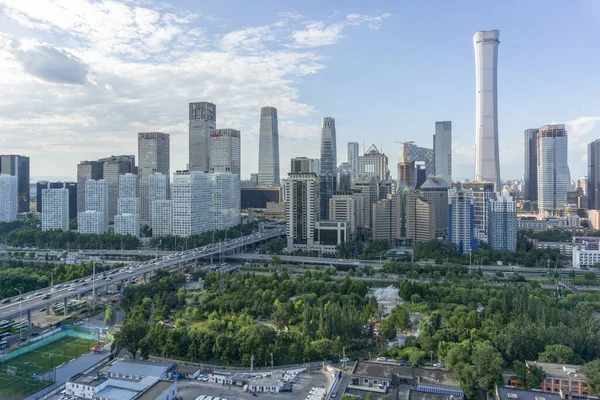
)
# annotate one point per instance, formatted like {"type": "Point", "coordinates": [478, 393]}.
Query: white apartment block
{"type": "Point", "coordinates": [585, 258]}
{"type": "Point", "coordinates": [226, 200]}
{"type": "Point", "coordinates": [159, 188]}
{"type": "Point", "coordinates": [192, 203]}
{"type": "Point", "coordinates": [55, 209]}
{"type": "Point", "coordinates": [127, 224]}
{"type": "Point", "coordinates": [8, 198]}
{"type": "Point", "coordinates": [342, 207]}
{"type": "Point", "coordinates": [162, 218]}
{"type": "Point", "coordinates": [128, 205]}
{"type": "Point", "coordinates": [96, 199]}
{"type": "Point", "coordinates": [502, 223]}
{"type": "Point", "coordinates": [91, 221]}
{"type": "Point", "coordinates": [128, 185]}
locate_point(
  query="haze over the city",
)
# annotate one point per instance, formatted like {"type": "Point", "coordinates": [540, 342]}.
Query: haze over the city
{"type": "Point", "coordinates": [79, 79]}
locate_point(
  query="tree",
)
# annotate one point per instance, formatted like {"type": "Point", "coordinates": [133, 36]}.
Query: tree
{"type": "Point", "coordinates": [556, 353]}
{"type": "Point", "coordinates": [487, 363]}
{"type": "Point", "coordinates": [108, 313]}
{"type": "Point", "coordinates": [589, 276]}
{"type": "Point", "coordinates": [130, 335]}
{"type": "Point", "coordinates": [529, 377]}
{"type": "Point", "coordinates": [275, 261]}
{"type": "Point", "coordinates": [592, 375]}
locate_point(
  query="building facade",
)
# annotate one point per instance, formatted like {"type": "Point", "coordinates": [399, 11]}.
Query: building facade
{"type": "Point", "coordinates": [530, 187]}
{"type": "Point", "coordinates": [87, 170]}
{"type": "Point", "coordinates": [461, 230]}
{"type": "Point", "coordinates": [18, 166]}
{"type": "Point", "coordinates": [373, 163]}
{"type": "Point", "coordinates": [153, 154]}
{"type": "Point", "coordinates": [386, 219]}
{"type": "Point", "coordinates": [128, 186]}
{"type": "Point", "coordinates": [55, 211]}
{"type": "Point", "coordinates": [502, 224]}
{"type": "Point", "coordinates": [353, 159]}
{"type": "Point", "coordinates": [435, 192]}
{"type": "Point", "coordinates": [553, 170]}
{"type": "Point", "coordinates": [302, 191]}
{"type": "Point", "coordinates": [268, 148]}
{"type": "Point", "coordinates": [225, 200]}
{"type": "Point", "coordinates": [420, 219]}
{"type": "Point", "coordinates": [422, 154]}
{"type": "Point", "coordinates": [483, 192]}
{"type": "Point", "coordinates": [225, 151]}
{"type": "Point", "coordinates": [203, 120]}
{"type": "Point", "coordinates": [91, 221]}
{"type": "Point", "coordinates": [162, 218]}
{"type": "Point", "coordinates": [9, 197]}
{"type": "Point", "coordinates": [328, 173]}
{"type": "Point", "coordinates": [192, 203]}
{"type": "Point", "coordinates": [344, 177]}
{"type": "Point", "coordinates": [127, 224]}
{"type": "Point", "coordinates": [487, 161]}
{"type": "Point", "coordinates": [304, 165]}
{"type": "Point", "coordinates": [96, 199]}
{"type": "Point", "coordinates": [113, 168]}
{"type": "Point", "coordinates": [593, 179]}
{"type": "Point", "coordinates": [329, 234]}
{"type": "Point", "coordinates": [70, 186]}
{"type": "Point", "coordinates": [365, 193]}
{"type": "Point", "coordinates": [342, 207]}
{"type": "Point", "coordinates": [442, 150]}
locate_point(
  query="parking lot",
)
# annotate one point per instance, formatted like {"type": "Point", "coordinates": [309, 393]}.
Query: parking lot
{"type": "Point", "coordinates": [190, 390]}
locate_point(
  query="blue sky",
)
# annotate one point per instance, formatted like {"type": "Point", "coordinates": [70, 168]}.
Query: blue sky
{"type": "Point", "coordinates": [79, 79]}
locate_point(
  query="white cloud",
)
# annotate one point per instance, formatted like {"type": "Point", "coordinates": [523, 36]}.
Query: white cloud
{"type": "Point", "coordinates": [373, 22]}
{"type": "Point", "coordinates": [135, 66]}
{"type": "Point", "coordinates": [318, 34]}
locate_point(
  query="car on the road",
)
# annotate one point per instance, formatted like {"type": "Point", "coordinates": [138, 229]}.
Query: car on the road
{"type": "Point", "coordinates": [71, 289]}
{"type": "Point", "coordinates": [28, 297]}
{"type": "Point", "coordinates": [7, 300]}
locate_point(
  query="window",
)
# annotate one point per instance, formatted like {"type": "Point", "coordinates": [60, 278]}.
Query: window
{"type": "Point", "coordinates": [556, 381]}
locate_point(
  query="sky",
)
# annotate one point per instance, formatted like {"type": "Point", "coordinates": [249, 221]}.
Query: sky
{"type": "Point", "coordinates": [80, 78]}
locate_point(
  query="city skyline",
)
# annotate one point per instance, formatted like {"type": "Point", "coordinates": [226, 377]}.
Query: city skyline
{"type": "Point", "coordinates": [107, 96]}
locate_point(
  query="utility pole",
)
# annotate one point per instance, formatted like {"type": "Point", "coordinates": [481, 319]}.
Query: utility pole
{"type": "Point", "coordinates": [271, 361]}
{"type": "Point", "coordinates": [251, 365]}
{"type": "Point", "coordinates": [93, 284]}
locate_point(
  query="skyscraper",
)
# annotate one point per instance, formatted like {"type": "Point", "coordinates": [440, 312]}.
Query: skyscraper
{"type": "Point", "coordinates": [420, 219]}
{"type": "Point", "coordinates": [70, 186]}
{"type": "Point", "coordinates": [225, 151]}
{"type": "Point", "coordinates": [373, 163]}
{"type": "Point", "coordinates": [268, 150]}
{"type": "Point", "coordinates": [487, 162]}
{"type": "Point", "coordinates": [96, 199]}
{"type": "Point", "coordinates": [353, 159]}
{"type": "Point", "coordinates": [303, 165]}
{"type": "Point", "coordinates": [530, 162]}
{"type": "Point", "coordinates": [423, 154]}
{"type": "Point", "coordinates": [225, 200]}
{"type": "Point", "coordinates": [442, 150]}
{"type": "Point", "coordinates": [127, 219]}
{"type": "Point", "coordinates": [301, 210]}
{"type": "Point", "coordinates": [344, 177]}
{"type": "Point", "coordinates": [55, 211]}
{"type": "Point", "coordinates": [552, 168]}
{"type": "Point", "coordinates": [8, 197]}
{"type": "Point", "coordinates": [86, 170]}
{"type": "Point", "coordinates": [593, 178]}
{"type": "Point", "coordinates": [435, 191]}
{"type": "Point", "coordinates": [192, 203]}
{"type": "Point", "coordinates": [203, 119]}
{"type": "Point", "coordinates": [386, 219]}
{"type": "Point", "coordinates": [153, 156]}
{"type": "Point", "coordinates": [483, 192]}
{"type": "Point", "coordinates": [460, 220]}
{"type": "Point", "coordinates": [113, 168]}
{"type": "Point", "coordinates": [328, 173]}
{"type": "Point", "coordinates": [128, 185]}
{"type": "Point", "coordinates": [18, 166]}
{"type": "Point", "coordinates": [162, 218]}
{"type": "Point", "coordinates": [502, 230]}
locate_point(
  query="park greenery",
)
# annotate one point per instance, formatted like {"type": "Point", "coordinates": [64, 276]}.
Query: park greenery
{"type": "Point", "coordinates": [29, 276]}
{"type": "Point", "coordinates": [474, 328]}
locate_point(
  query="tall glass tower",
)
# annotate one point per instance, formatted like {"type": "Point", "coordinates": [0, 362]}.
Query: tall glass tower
{"type": "Point", "coordinates": [530, 163]}
{"type": "Point", "coordinates": [353, 159]}
{"type": "Point", "coordinates": [442, 151]}
{"type": "Point", "coordinates": [268, 150]}
{"type": "Point", "coordinates": [153, 155]}
{"type": "Point", "coordinates": [487, 163]}
{"type": "Point", "coordinates": [553, 169]}
{"type": "Point", "coordinates": [328, 178]}
{"type": "Point", "coordinates": [203, 119]}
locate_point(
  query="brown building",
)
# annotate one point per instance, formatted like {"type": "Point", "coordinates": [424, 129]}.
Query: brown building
{"type": "Point", "coordinates": [562, 377]}
{"type": "Point", "coordinates": [420, 219]}
{"type": "Point", "coordinates": [386, 219]}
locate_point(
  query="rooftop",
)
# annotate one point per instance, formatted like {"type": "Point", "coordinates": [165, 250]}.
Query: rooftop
{"type": "Point", "coordinates": [156, 390]}
{"type": "Point", "coordinates": [138, 367]}
{"type": "Point", "coordinates": [415, 395]}
{"type": "Point", "coordinates": [436, 377]}
{"type": "Point", "coordinates": [265, 382]}
{"type": "Point", "coordinates": [511, 393]}
{"type": "Point", "coordinates": [564, 371]}
{"type": "Point", "coordinates": [186, 369]}
{"type": "Point", "coordinates": [90, 380]}
{"type": "Point", "coordinates": [114, 393]}
{"type": "Point", "coordinates": [381, 370]}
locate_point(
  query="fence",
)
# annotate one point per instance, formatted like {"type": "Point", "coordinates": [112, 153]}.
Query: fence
{"type": "Point", "coordinates": [86, 332]}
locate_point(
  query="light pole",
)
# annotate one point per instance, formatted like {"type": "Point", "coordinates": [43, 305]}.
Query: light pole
{"type": "Point", "coordinates": [93, 284]}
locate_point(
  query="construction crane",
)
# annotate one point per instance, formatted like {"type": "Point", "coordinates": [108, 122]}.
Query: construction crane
{"type": "Point", "coordinates": [521, 205]}
{"type": "Point", "coordinates": [404, 157]}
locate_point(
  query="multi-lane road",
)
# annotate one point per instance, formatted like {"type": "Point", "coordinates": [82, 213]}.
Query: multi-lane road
{"type": "Point", "coordinates": [17, 306]}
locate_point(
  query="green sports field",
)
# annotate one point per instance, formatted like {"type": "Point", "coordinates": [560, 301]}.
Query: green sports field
{"type": "Point", "coordinates": [17, 376]}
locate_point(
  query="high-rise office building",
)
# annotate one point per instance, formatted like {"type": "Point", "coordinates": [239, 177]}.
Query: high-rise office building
{"type": "Point", "coordinates": [128, 205]}
{"type": "Point", "coordinates": [530, 187]}
{"type": "Point", "coordinates": [344, 177]}
{"type": "Point", "coordinates": [162, 218]}
{"type": "Point", "coordinates": [442, 150]}
{"type": "Point", "coordinates": [128, 186]}
{"type": "Point", "coordinates": [593, 179]}
{"type": "Point", "coordinates": [365, 192]}
{"type": "Point", "coordinates": [203, 120]}
{"type": "Point", "coordinates": [70, 186]}
{"type": "Point", "coordinates": [127, 224]}
{"type": "Point", "coordinates": [421, 154]}
{"type": "Point", "coordinates": [406, 175]}
{"type": "Point", "coordinates": [386, 219]}
{"type": "Point", "coordinates": [483, 192]}
{"type": "Point", "coordinates": [553, 170]}
{"type": "Point", "coordinates": [487, 161]}
{"type": "Point", "coordinates": [159, 188]}
{"type": "Point", "coordinates": [301, 210]}
{"type": "Point", "coordinates": [18, 166]}
{"type": "Point", "coordinates": [153, 156]}
{"type": "Point", "coordinates": [435, 191]}
{"type": "Point", "coordinates": [268, 148]}
{"type": "Point", "coordinates": [304, 165]}
{"type": "Point", "coordinates": [353, 159]}
{"type": "Point", "coordinates": [225, 151]}
{"type": "Point", "coordinates": [55, 211]}
{"type": "Point", "coordinates": [328, 173]}
{"type": "Point", "coordinates": [192, 203]}
{"type": "Point", "coordinates": [87, 170]}
{"type": "Point", "coordinates": [461, 229]}
{"type": "Point", "coordinates": [502, 229]}
{"type": "Point", "coordinates": [373, 163]}
{"type": "Point", "coordinates": [420, 219]}
{"type": "Point", "coordinates": [9, 197]}
{"type": "Point", "coordinates": [96, 199]}
{"type": "Point", "coordinates": [91, 221]}
{"type": "Point", "coordinates": [113, 168]}
{"type": "Point", "coordinates": [342, 207]}
{"type": "Point", "coordinates": [226, 200]}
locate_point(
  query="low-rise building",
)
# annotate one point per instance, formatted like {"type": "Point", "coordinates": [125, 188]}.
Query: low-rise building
{"type": "Point", "coordinates": [512, 393]}
{"type": "Point", "coordinates": [542, 224]}
{"type": "Point", "coordinates": [585, 258]}
{"type": "Point", "coordinates": [331, 234]}
{"type": "Point", "coordinates": [265, 385]}
{"type": "Point", "coordinates": [562, 377]}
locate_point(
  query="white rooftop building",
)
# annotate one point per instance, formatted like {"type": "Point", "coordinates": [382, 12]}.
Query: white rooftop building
{"type": "Point", "coordinates": [192, 203]}
{"type": "Point", "coordinates": [91, 221]}
{"type": "Point", "coordinates": [8, 198]}
{"type": "Point", "coordinates": [55, 209]}
{"type": "Point", "coordinates": [96, 199]}
{"type": "Point", "coordinates": [162, 218]}
{"type": "Point", "coordinates": [127, 224]}
{"type": "Point", "coordinates": [226, 200]}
